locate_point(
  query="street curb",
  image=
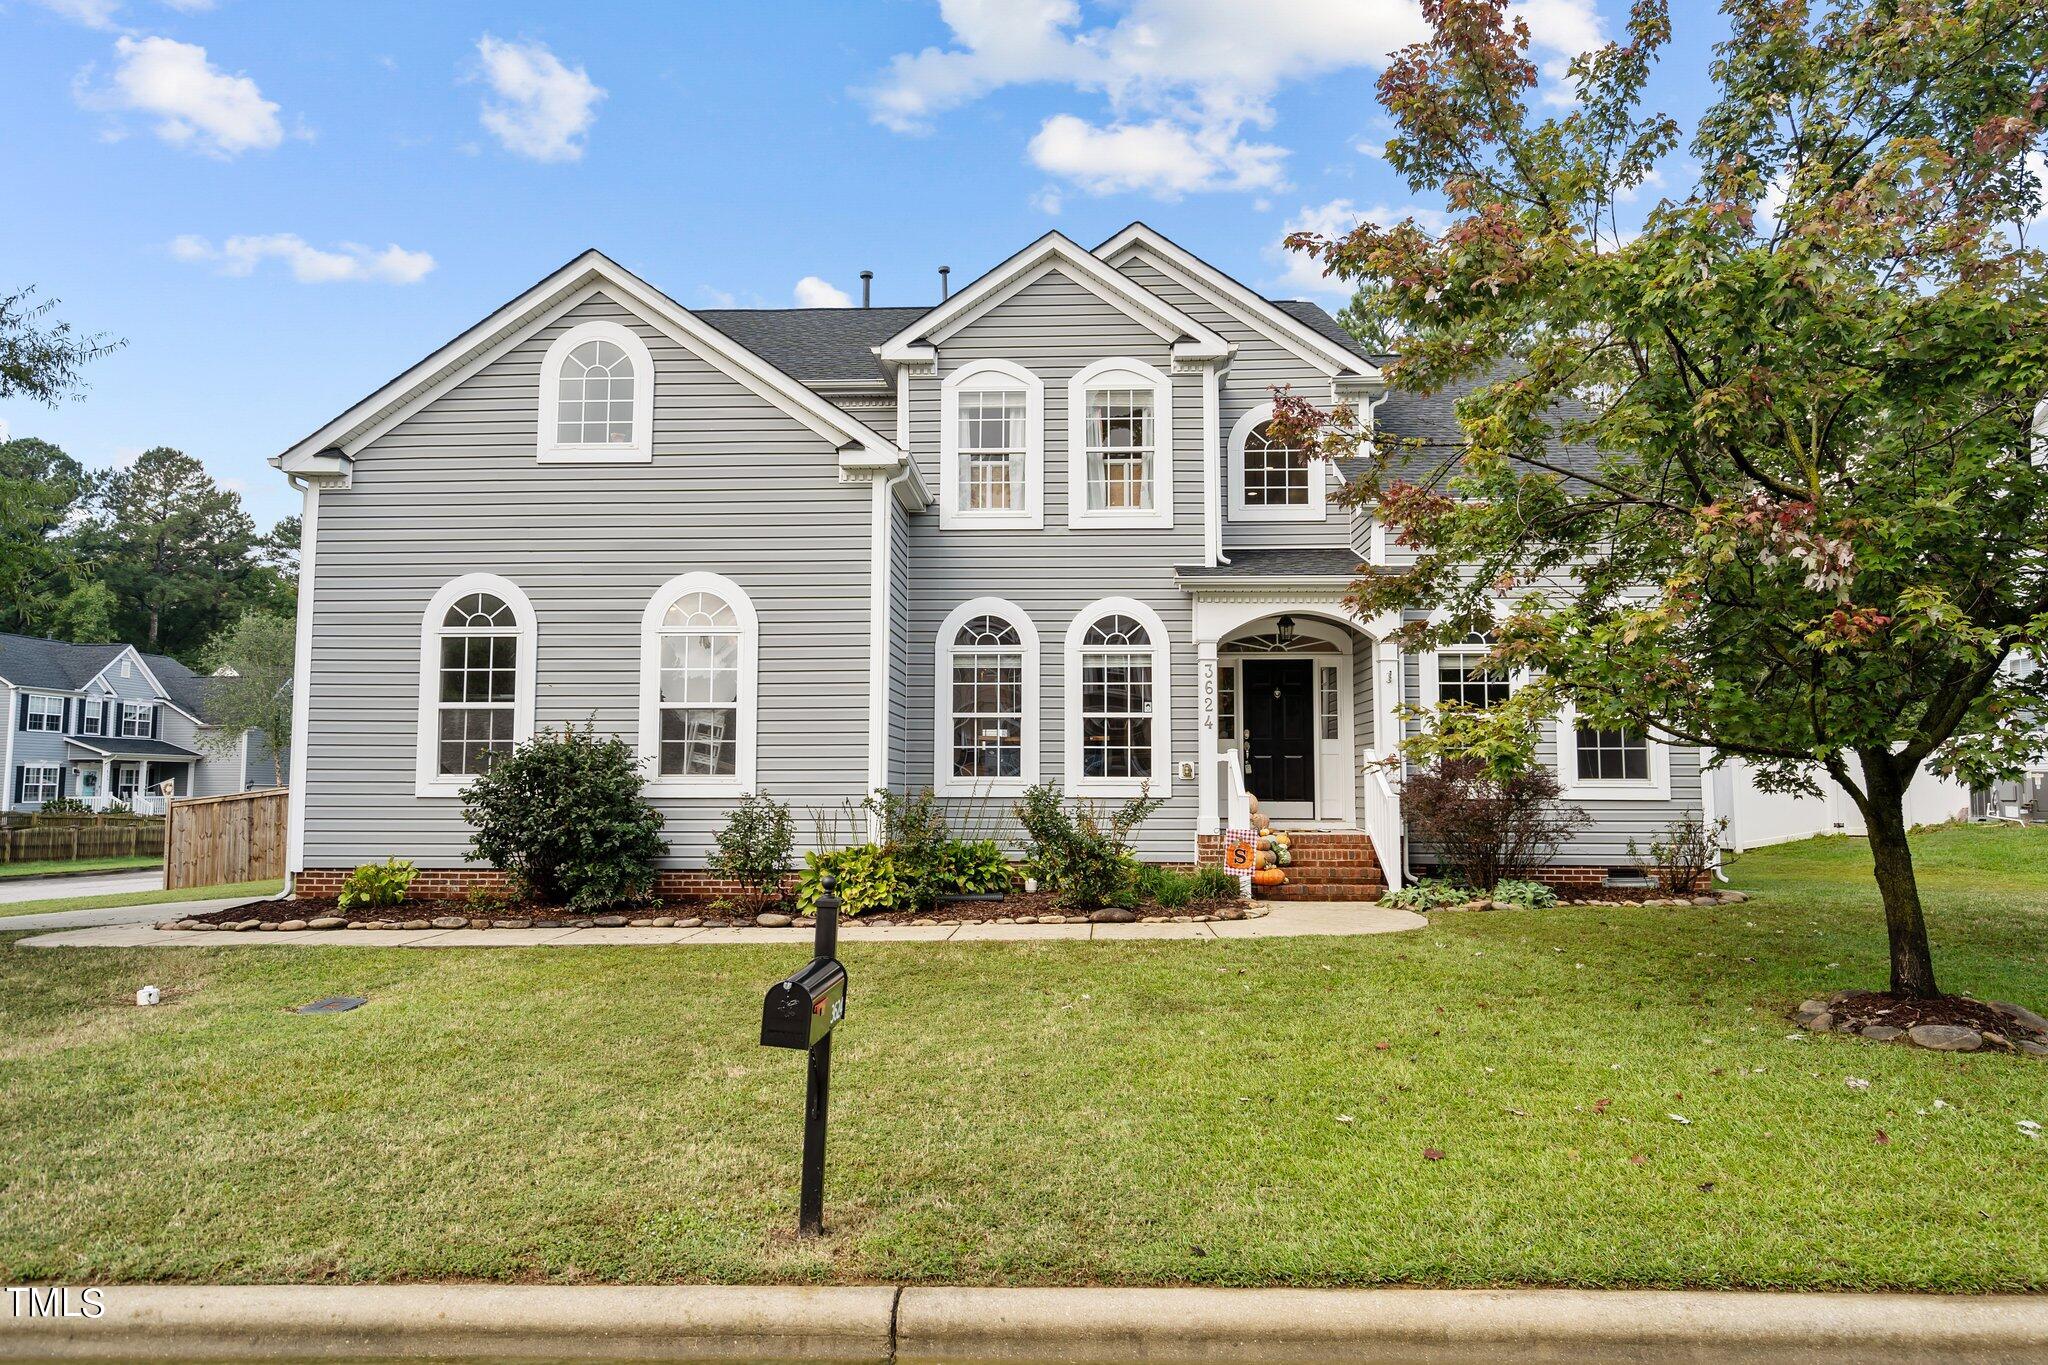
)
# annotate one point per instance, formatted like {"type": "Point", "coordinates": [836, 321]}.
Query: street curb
{"type": "Point", "coordinates": [81, 872]}
{"type": "Point", "coordinates": [595, 1322]}
{"type": "Point", "coordinates": [883, 1323]}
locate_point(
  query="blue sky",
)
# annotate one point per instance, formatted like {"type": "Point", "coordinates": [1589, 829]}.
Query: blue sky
{"type": "Point", "coordinates": [279, 206]}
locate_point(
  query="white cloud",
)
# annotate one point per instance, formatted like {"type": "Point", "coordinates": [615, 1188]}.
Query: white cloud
{"type": "Point", "coordinates": [1303, 274]}
{"type": "Point", "coordinates": [1049, 201]}
{"type": "Point", "coordinates": [190, 6]}
{"type": "Point", "coordinates": [812, 292]}
{"type": "Point", "coordinates": [544, 108]}
{"type": "Point", "coordinates": [348, 262]}
{"type": "Point", "coordinates": [91, 13]}
{"type": "Point", "coordinates": [196, 104]}
{"type": "Point", "coordinates": [1162, 158]}
{"type": "Point", "coordinates": [1183, 79]}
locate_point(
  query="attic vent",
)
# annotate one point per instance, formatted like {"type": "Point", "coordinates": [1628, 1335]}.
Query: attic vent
{"type": "Point", "coordinates": [127, 668]}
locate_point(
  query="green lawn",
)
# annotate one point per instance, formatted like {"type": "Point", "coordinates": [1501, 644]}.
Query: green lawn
{"type": "Point", "coordinates": [43, 867]}
{"type": "Point", "coordinates": [1226, 1113]}
{"type": "Point", "coordinates": [190, 893]}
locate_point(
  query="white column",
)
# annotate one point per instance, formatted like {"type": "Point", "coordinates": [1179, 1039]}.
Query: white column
{"type": "Point", "coordinates": [1208, 749]}
{"type": "Point", "coordinates": [106, 781]}
{"type": "Point", "coordinates": [302, 684]}
{"type": "Point", "coordinates": [1386, 727]}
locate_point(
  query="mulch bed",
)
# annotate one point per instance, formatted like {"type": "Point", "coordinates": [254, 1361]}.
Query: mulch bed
{"type": "Point", "coordinates": [1861, 1009]}
{"type": "Point", "coordinates": [1949, 1023]}
{"type": "Point", "coordinates": [1039, 908]}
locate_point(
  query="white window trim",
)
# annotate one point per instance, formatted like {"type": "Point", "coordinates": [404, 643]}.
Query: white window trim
{"type": "Point", "coordinates": [1432, 684]}
{"type": "Point", "coordinates": [993, 376]}
{"type": "Point", "coordinates": [1316, 509]}
{"type": "Point", "coordinates": [742, 780]}
{"type": "Point", "coordinates": [1078, 512]}
{"type": "Point", "coordinates": [38, 710]}
{"type": "Point", "coordinates": [137, 711]}
{"type": "Point", "coordinates": [28, 771]}
{"type": "Point", "coordinates": [942, 708]}
{"type": "Point", "coordinates": [1161, 783]}
{"type": "Point", "coordinates": [427, 778]}
{"type": "Point", "coordinates": [1657, 787]}
{"type": "Point", "coordinates": [640, 450]}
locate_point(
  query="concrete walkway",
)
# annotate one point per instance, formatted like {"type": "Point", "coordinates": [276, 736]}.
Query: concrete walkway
{"type": "Point", "coordinates": [942, 1323]}
{"type": "Point", "coordinates": [13, 889]}
{"type": "Point", "coordinates": [1289, 919]}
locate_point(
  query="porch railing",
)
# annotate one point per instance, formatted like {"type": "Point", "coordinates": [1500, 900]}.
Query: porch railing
{"type": "Point", "coordinates": [1382, 819]}
{"type": "Point", "coordinates": [141, 803]}
{"type": "Point", "coordinates": [1231, 797]}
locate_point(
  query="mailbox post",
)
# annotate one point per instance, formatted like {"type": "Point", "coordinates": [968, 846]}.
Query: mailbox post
{"type": "Point", "coordinates": [800, 1012]}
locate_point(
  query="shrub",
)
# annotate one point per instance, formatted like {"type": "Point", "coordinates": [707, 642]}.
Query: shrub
{"type": "Point", "coordinates": [1078, 855]}
{"type": "Point", "coordinates": [65, 805]}
{"type": "Point", "coordinates": [563, 814]}
{"type": "Point", "coordinates": [1164, 886]}
{"type": "Point", "coordinates": [974, 868]}
{"type": "Point", "coordinates": [1686, 854]}
{"type": "Point", "coordinates": [376, 885]}
{"type": "Point", "coordinates": [1214, 883]}
{"type": "Point", "coordinates": [755, 845]}
{"type": "Point", "coordinates": [1527, 895]}
{"type": "Point", "coordinates": [869, 880]}
{"type": "Point", "coordinates": [484, 901]}
{"type": "Point", "coordinates": [1428, 896]}
{"type": "Point", "coordinates": [1484, 826]}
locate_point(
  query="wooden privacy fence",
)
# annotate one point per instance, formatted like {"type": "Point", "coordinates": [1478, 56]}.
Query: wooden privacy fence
{"type": "Point", "coordinates": [234, 838]}
{"type": "Point", "coordinates": [65, 839]}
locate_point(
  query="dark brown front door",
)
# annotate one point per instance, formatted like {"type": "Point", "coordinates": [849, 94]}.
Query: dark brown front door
{"type": "Point", "coordinates": [1279, 729]}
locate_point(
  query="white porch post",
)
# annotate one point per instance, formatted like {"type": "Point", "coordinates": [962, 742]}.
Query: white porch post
{"type": "Point", "coordinates": [106, 782]}
{"type": "Point", "coordinates": [1209, 749]}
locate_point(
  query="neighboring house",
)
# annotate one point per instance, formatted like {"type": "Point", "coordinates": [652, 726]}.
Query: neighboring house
{"type": "Point", "coordinates": [108, 724]}
{"type": "Point", "coordinates": [1036, 532]}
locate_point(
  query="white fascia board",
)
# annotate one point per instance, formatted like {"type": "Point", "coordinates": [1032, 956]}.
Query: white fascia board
{"type": "Point", "coordinates": [1052, 251]}
{"type": "Point", "coordinates": [519, 319]}
{"type": "Point", "coordinates": [1252, 309]}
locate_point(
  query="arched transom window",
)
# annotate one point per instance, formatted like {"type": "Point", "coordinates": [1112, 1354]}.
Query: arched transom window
{"type": "Point", "coordinates": [476, 680]}
{"type": "Point", "coordinates": [988, 700]}
{"type": "Point", "coordinates": [987, 711]}
{"type": "Point", "coordinates": [1275, 475]}
{"type": "Point", "coordinates": [594, 396]}
{"type": "Point", "coordinates": [1120, 445]}
{"type": "Point", "coordinates": [1117, 700]}
{"type": "Point", "coordinates": [700, 687]}
{"type": "Point", "coordinates": [597, 397]}
{"type": "Point", "coordinates": [1467, 675]}
{"type": "Point", "coordinates": [700, 650]}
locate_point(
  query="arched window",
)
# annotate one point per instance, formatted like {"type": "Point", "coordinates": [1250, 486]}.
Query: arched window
{"type": "Point", "coordinates": [698, 700]}
{"type": "Point", "coordinates": [1270, 481]}
{"type": "Point", "coordinates": [992, 446]}
{"type": "Point", "coordinates": [986, 738]}
{"type": "Point", "coordinates": [476, 680]}
{"type": "Point", "coordinates": [1120, 445]}
{"type": "Point", "coordinates": [1118, 700]}
{"type": "Point", "coordinates": [597, 397]}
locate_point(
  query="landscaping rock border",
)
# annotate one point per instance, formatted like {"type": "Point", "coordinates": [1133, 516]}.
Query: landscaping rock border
{"type": "Point", "coordinates": [1962, 1025]}
{"type": "Point", "coordinates": [1712, 898]}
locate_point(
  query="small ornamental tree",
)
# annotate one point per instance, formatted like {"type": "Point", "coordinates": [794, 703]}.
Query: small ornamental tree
{"type": "Point", "coordinates": [251, 686]}
{"type": "Point", "coordinates": [1814, 534]}
{"type": "Point", "coordinates": [563, 814]}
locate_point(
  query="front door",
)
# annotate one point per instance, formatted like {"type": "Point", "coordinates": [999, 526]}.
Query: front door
{"type": "Point", "coordinates": [1280, 734]}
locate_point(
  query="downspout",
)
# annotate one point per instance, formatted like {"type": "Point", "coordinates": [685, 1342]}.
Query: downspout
{"type": "Point", "coordinates": [1212, 476]}
{"type": "Point", "coordinates": [302, 686]}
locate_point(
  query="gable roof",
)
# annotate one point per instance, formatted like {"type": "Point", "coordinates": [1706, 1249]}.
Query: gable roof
{"type": "Point", "coordinates": [60, 666]}
{"type": "Point", "coordinates": [1282, 325]}
{"type": "Point", "coordinates": [518, 318]}
{"type": "Point", "coordinates": [1055, 251]}
{"type": "Point", "coordinates": [817, 345]}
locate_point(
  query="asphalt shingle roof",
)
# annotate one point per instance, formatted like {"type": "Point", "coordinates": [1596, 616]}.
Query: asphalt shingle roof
{"type": "Point", "coordinates": [1313, 561]}
{"type": "Point", "coordinates": [58, 666]}
{"type": "Point", "coordinates": [815, 345]}
{"type": "Point", "coordinates": [131, 748]}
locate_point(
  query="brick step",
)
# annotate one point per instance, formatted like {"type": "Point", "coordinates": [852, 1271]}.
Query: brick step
{"type": "Point", "coordinates": [1321, 891]}
{"type": "Point", "coordinates": [1351, 872]}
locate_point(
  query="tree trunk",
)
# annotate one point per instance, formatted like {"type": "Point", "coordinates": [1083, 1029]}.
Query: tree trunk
{"type": "Point", "coordinates": [1884, 816]}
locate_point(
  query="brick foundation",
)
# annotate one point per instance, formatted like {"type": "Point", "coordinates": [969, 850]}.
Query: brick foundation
{"type": "Point", "coordinates": [438, 883]}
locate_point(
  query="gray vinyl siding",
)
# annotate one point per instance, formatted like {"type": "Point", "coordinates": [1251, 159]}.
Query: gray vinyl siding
{"type": "Point", "coordinates": [1055, 328]}
{"type": "Point", "coordinates": [1603, 841]}
{"type": "Point", "coordinates": [210, 774]}
{"type": "Point", "coordinates": [257, 770]}
{"type": "Point", "coordinates": [736, 488]}
{"type": "Point", "coordinates": [1257, 366]}
{"type": "Point", "coordinates": [901, 665]}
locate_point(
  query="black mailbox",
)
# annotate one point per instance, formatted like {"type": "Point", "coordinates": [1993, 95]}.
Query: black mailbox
{"type": "Point", "coordinates": [799, 1012]}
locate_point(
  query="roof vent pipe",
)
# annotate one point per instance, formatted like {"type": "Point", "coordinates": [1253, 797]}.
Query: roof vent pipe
{"type": "Point", "coordinates": [867, 284]}
{"type": "Point", "coordinates": [945, 285]}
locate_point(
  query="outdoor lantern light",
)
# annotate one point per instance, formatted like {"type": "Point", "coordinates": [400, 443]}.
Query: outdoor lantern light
{"type": "Point", "coordinates": [1284, 628]}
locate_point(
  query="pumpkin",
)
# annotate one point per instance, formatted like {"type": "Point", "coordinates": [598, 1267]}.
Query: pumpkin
{"type": "Point", "coordinates": [1260, 822]}
{"type": "Point", "coordinates": [1283, 857]}
{"type": "Point", "coordinates": [1269, 876]}
{"type": "Point", "coordinates": [1252, 802]}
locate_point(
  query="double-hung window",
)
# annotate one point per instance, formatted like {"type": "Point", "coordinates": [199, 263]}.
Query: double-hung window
{"type": "Point", "coordinates": [39, 782]}
{"type": "Point", "coordinates": [1119, 712]}
{"type": "Point", "coordinates": [44, 713]}
{"type": "Point", "coordinates": [1120, 445]}
{"type": "Point", "coordinates": [1467, 675]}
{"type": "Point", "coordinates": [992, 447]}
{"type": "Point", "coordinates": [91, 713]}
{"type": "Point", "coordinates": [135, 720]}
{"type": "Point", "coordinates": [477, 642]}
{"type": "Point", "coordinates": [699, 656]}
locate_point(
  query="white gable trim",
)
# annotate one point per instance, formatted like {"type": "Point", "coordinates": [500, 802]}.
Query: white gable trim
{"type": "Point", "coordinates": [1054, 251]}
{"type": "Point", "coordinates": [131, 652]}
{"type": "Point", "coordinates": [518, 320]}
{"type": "Point", "coordinates": [1250, 308]}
